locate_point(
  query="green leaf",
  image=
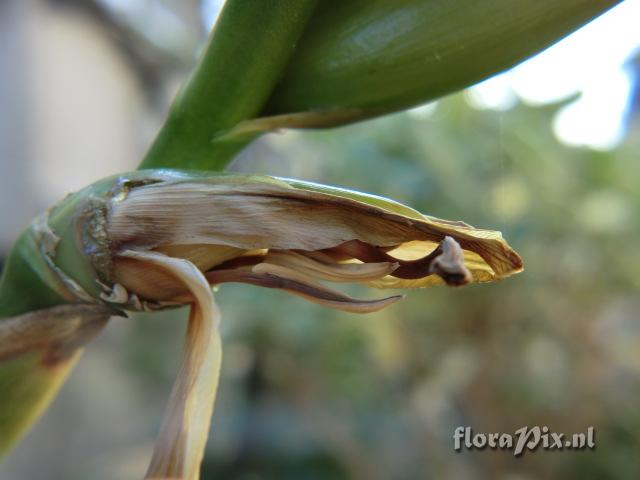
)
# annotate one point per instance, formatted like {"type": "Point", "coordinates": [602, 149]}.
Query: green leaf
{"type": "Point", "coordinates": [370, 57]}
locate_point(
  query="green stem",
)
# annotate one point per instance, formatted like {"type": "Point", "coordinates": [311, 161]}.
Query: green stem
{"type": "Point", "coordinates": [22, 288]}
{"type": "Point", "coordinates": [248, 50]}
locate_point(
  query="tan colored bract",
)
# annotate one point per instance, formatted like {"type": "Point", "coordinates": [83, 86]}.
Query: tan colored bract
{"type": "Point", "coordinates": [153, 240]}
{"type": "Point", "coordinates": [290, 235]}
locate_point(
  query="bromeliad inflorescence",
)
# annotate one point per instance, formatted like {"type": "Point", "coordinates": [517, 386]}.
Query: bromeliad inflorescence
{"type": "Point", "coordinates": [152, 240]}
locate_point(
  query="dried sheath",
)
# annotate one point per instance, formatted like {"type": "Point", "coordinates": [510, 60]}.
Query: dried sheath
{"type": "Point", "coordinates": [154, 240]}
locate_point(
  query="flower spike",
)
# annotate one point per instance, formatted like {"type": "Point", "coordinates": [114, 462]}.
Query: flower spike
{"type": "Point", "coordinates": [154, 240]}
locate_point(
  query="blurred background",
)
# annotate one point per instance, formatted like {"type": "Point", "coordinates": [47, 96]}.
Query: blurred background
{"type": "Point", "coordinates": [549, 153]}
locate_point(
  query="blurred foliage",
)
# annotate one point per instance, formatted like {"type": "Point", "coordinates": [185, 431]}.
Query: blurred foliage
{"type": "Point", "coordinates": [311, 393]}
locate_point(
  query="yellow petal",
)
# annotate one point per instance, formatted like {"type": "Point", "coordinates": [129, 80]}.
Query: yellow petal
{"type": "Point", "coordinates": [480, 270]}
{"type": "Point", "coordinates": [327, 269]}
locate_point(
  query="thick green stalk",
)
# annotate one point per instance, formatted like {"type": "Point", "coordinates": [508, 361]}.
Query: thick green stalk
{"type": "Point", "coordinates": [43, 323]}
{"type": "Point", "coordinates": [29, 280]}
{"type": "Point", "coordinates": [23, 288]}
{"type": "Point", "coordinates": [249, 48]}
{"type": "Point", "coordinates": [369, 57]}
